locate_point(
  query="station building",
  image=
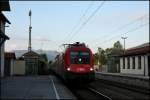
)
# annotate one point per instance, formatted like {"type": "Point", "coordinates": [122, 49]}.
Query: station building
{"type": "Point", "coordinates": [136, 60]}
{"type": "Point", "coordinates": [31, 62]}
{"type": "Point", "coordinates": [4, 6]}
{"type": "Point", "coordinates": [10, 58]}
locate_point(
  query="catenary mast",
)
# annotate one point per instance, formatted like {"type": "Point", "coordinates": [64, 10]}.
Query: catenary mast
{"type": "Point", "coordinates": [29, 46]}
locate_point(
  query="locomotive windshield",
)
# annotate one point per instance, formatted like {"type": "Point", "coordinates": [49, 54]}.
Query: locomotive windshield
{"type": "Point", "coordinates": [79, 57]}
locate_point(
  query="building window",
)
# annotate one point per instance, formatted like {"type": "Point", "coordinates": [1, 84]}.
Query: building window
{"type": "Point", "coordinates": [133, 62]}
{"type": "Point", "coordinates": [139, 62]}
{"type": "Point", "coordinates": [128, 61]}
{"type": "Point", "coordinates": [123, 62]}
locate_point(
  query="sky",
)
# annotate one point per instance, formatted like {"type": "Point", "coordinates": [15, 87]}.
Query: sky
{"type": "Point", "coordinates": [57, 22]}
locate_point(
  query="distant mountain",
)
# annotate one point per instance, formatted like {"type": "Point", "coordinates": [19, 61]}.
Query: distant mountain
{"type": "Point", "coordinates": [19, 53]}
{"type": "Point", "coordinates": [50, 53]}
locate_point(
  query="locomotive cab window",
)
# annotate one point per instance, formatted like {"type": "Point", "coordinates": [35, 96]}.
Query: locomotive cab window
{"type": "Point", "coordinates": [79, 57]}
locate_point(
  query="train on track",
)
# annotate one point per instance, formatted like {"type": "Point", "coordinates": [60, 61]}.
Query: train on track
{"type": "Point", "coordinates": [75, 64]}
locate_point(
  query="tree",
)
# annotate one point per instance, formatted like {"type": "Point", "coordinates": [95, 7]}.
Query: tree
{"type": "Point", "coordinates": [101, 56]}
{"type": "Point", "coordinates": [117, 48]}
{"type": "Point", "coordinates": [112, 57]}
{"type": "Point", "coordinates": [96, 58]}
{"type": "Point", "coordinates": [109, 56]}
{"type": "Point", "coordinates": [108, 53]}
{"type": "Point", "coordinates": [43, 65]}
{"type": "Point", "coordinates": [44, 57]}
{"type": "Point", "coordinates": [50, 62]}
{"type": "Point", "coordinates": [117, 45]}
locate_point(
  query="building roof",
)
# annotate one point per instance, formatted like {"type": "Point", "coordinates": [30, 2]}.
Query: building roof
{"type": "Point", "coordinates": [31, 54]}
{"type": "Point", "coordinates": [140, 46]}
{"type": "Point", "coordinates": [3, 18]}
{"type": "Point", "coordinates": [10, 55]}
{"type": "Point", "coordinates": [138, 50]}
{"type": "Point", "coordinates": [4, 5]}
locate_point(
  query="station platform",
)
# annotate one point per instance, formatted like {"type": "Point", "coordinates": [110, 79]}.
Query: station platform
{"type": "Point", "coordinates": [126, 75]}
{"type": "Point", "coordinates": [128, 79]}
{"type": "Point", "coordinates": [34, 87]}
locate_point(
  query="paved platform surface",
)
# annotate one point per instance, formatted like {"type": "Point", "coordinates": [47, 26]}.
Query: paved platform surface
{"type": "Point", "coordinates": [34, 87]}
{"type": "Point", "coordinates": [126, 75]}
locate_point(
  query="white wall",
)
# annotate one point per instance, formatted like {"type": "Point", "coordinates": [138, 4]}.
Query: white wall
{"type": "Point", "coordinates": [11, 67]}
{"type": "Point", "coordinates": [126, 63]}
{"type": "Point", "coordinates": [136, 70]}
{"type": "Point", "coordinates": [136, 62]}
{"type": "Point", "coordinates": [19, 67]}
{"type": "Point", "coordinates": [131, 64]}
{"type": "Point", "coordinates": [146, 65]}
{"type": "Point", "coordinates": [121, 64]}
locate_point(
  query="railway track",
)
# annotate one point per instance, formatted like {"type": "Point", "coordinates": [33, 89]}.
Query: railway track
{"type": "Point", "coordinates": [88, 93]}
{"type": "Point", "coordinates": [106, 90]}
{"type": "Point", "coordinates": [118, 91]}
{"type": "Point", "coordinates": [125, 86]}
{"type": "Point", "coordinates": [99, 93]}
{"type": "Point", "coordinates": [85, 92]}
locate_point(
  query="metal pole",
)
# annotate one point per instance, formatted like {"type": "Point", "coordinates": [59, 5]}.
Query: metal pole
{"type": "Point", "coordinates": [124, 45]}
{"type": "Point", "coordinates": [124, 42]}
{"type": "Point", "coordinates": [29, 48]}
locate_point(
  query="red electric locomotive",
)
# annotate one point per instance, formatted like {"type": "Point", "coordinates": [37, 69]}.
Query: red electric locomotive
{"type": "Point", "coordinates": [75, 64]}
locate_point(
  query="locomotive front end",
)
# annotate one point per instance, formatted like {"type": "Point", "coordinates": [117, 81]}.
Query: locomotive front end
{"type": "Point", "coordinates": [80, 65]}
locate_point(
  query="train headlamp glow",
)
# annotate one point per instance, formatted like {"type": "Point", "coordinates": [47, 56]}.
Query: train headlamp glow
{"type": "Point", "coordinates": [80, 59]}
{"type": "Point", "coordinates": [91, 69]}
{"type": "Point", "coordinates": [68, 69]}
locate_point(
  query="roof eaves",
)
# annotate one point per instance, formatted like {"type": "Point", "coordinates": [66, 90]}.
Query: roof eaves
{"type": "Point", "coordinates": [2, 16]}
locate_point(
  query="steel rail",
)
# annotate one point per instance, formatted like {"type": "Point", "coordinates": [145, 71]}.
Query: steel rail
{"type": "Point", "coordinates": [97, 92]}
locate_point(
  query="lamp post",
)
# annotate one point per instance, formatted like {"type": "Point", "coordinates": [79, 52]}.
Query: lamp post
{"type": "Point", "coordinates": [124, 42]}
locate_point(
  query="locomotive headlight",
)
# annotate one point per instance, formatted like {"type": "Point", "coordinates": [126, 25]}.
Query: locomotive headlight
{"type": "Point", "coordinates": [68, 69]}
{"type": "Point", "coordinates": [91, 69]}
{"type": "Point", "coordinates": [80, 59]}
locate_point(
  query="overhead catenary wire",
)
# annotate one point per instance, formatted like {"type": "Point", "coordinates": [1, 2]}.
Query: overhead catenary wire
{"type": "Point", "coordinates": [86, 21]}
{"type": "Point", "coordinates": [132, 30]}
{"type": "Point", "coordinates": [122, 27]}
{"type": "Point", "coordinates": [80, 19]}
{"type": "Point", "coordinates": [42, 41]}
{"type": "Point", "coordinates": [36, 39]}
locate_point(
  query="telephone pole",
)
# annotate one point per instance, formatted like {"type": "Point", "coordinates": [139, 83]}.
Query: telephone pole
{"type": "Point", "coordinates": [29, 47]}
{"type": "Point", "coordinates": [124, 38]}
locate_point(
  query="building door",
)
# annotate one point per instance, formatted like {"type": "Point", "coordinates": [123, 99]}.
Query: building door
{"type": "Point", "coordinates": [31, 69]}
{"type": "Point", "coordinates": [7, 67]}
